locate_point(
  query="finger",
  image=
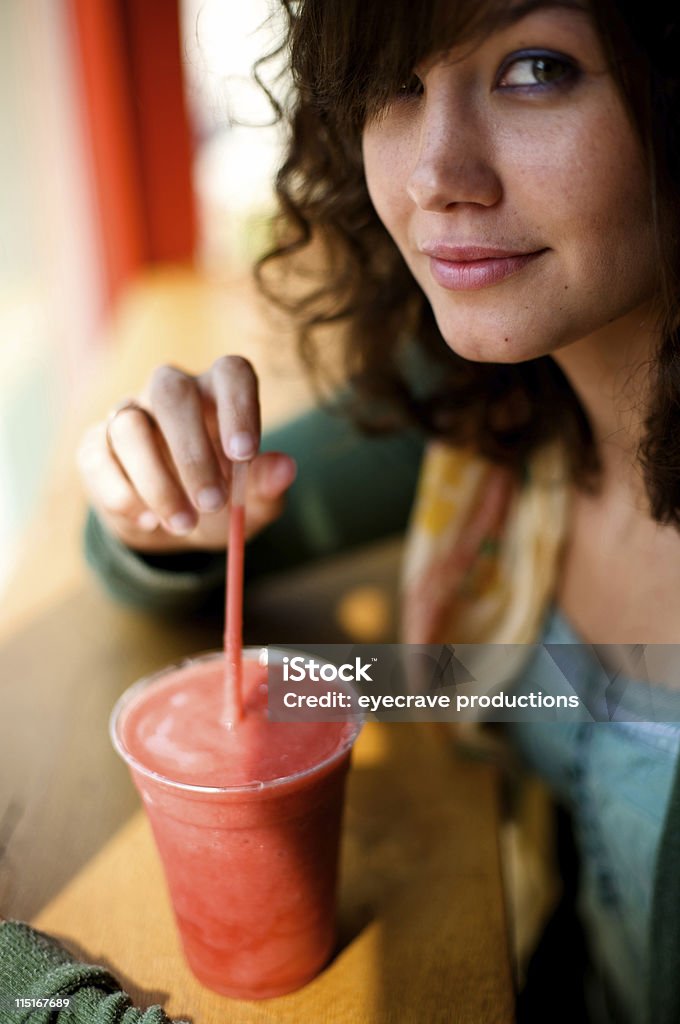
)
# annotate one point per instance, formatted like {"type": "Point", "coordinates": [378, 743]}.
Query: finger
{"type": "Point", "coordinates": [270, 476]}
{"type": "Point", "coordinates": [105, 483]}
{"type": "Point", "coordinates": [232, 384]}
{"type": "Point", "coordinates": [177, 406]}
{"type": "Point", "coordinates": [137, 446]}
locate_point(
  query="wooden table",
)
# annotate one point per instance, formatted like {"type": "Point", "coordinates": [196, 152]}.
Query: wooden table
{"type": "Point", "coordinates": [422, 933]}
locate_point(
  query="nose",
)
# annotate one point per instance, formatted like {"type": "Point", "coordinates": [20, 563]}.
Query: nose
{"type": "Point", "coordinates": [452, 161]}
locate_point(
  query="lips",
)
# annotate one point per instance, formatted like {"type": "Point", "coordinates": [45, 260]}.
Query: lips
{"type": "Point", "coordinates": [467, 253]}
{"type": "Point", "coordinates": [471, 267]}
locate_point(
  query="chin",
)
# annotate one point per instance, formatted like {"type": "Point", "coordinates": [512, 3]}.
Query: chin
{"type": "Point", "coordinates": [508, 346]}
{"type": "Point", "coordinates": [488, 332]}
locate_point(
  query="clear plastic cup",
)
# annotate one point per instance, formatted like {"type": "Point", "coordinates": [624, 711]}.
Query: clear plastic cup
{"type": "Point", "coordinates": [252, 868]}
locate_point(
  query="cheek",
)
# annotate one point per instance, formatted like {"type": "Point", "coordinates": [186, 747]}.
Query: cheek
{"type": "Point", "coordinates": [385, 171]}
{"type": "Point", "coordinates": [613, 255]}
{"type": "Point", "coordinates": [585, 184]}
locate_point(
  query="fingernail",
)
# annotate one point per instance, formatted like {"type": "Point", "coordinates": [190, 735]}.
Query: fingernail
{"type": "Point", "coordinates": [181, 522]}
{"type": "Point", "coordinates": [209, 499]}
{"type": "Point", "coordinates": [147, 521]}
{"type": "Point", "coordinates": [242, 445]}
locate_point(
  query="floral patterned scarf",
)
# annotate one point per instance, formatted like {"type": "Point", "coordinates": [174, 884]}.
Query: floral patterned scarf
{"type": "Point", "coordinates": [480, 566]}
{"type": "Point", "coordinates": [482, 552]}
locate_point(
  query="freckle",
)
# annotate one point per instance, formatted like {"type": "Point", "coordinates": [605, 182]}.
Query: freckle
{"type": "Point", "coordinates": [565, 287]}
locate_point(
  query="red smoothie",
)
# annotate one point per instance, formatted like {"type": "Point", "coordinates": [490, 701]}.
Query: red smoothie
{"type": "Point", "coordinates": [247, 822]}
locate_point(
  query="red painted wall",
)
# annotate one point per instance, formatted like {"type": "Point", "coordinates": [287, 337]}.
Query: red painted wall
{"type": "Point", "coordinates": [137, 132]}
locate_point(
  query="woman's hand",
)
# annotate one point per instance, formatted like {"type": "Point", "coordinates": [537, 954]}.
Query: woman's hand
{"type": "Point", "coordinates": [158, 470]}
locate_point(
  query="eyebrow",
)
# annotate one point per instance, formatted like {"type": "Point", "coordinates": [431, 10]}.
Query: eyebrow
{"type": "Point", "coordinates": [521, 10]}
{"type": "Point", "coordinates": [515, 12]}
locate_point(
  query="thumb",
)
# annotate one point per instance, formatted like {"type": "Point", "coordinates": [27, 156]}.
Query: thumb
{"type": "Point", "coordinates": [271, 475]}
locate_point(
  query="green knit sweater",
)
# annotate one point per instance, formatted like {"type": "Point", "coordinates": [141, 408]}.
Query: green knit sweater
{"type": "Point", "coordinates": [40, 982]}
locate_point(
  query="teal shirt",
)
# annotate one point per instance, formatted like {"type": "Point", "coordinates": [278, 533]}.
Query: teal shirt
{"type": "Point", "coordinates": [616, 779]}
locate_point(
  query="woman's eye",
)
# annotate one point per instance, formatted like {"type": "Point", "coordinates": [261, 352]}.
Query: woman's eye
{"type": "Point", "coordinates": [537, 70]}
{"type": "Point", "coordinates": [412, 86]}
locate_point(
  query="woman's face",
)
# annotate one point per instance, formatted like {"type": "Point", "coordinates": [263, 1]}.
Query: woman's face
{"type": "Point", "coordinates": [521, 152]}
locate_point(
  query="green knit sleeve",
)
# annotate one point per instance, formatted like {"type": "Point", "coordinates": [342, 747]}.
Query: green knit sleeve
{"type": "Point", "coordinates": [351, 489]}
{"type": "Point", "coordinates": [41, 983]}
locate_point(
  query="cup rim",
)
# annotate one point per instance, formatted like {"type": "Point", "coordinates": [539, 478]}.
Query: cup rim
{"type": "Point", "coordinates": [132, 691]}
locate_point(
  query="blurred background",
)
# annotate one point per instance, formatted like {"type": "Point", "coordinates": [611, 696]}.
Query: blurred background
{"type": "Point", "coordinates": [138, 157]}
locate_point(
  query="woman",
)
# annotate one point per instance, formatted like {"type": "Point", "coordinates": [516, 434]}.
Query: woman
{"type": "Point", "coordinates": [489, 191]}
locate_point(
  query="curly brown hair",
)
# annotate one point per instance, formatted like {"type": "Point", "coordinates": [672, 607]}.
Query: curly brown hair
{"type": "Point", "coordinates": [334, 264]}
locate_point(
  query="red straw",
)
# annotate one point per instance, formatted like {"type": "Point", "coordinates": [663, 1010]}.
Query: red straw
{"type": "Point", "coordinates": [233, 631]}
